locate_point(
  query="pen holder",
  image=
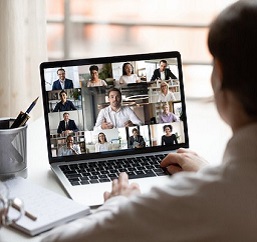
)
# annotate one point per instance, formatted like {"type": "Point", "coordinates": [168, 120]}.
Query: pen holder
{"type": "Point", "coordinates": [13, 150]}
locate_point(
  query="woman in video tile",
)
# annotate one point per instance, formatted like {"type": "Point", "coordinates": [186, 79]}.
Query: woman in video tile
{"type": "Point", "coordinates": [168, 138]}
{"type": "Point", "coordinates": [128, 75]}
{"type": "Point", "coordinates": [95, 81]}
{"type": "Point", "coordinates": [102, 144]}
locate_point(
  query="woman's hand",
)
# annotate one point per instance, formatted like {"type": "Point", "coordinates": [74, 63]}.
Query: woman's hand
{"type": "Point", "coordinates": [183, 160]}
{"type": "Point", "coordinates": [122, 187]}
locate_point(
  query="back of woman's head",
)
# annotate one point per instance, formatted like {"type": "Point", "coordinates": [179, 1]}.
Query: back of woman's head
{"type": "Point", "coordinates": [232, 40]}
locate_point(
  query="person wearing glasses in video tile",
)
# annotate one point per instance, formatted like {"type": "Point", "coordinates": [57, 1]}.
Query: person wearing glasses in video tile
{"type": "Point", "coordinates": [62, 82]}
{"type": "Point", "coordinates": [95, 81]}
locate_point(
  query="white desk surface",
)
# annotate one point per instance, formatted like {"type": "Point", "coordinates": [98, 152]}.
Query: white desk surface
{"type": "Point", "coordinates": [208, 135]}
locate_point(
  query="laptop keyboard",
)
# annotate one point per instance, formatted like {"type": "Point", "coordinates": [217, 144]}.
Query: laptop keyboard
{"type": "Point", "coordinates": [106, 171]}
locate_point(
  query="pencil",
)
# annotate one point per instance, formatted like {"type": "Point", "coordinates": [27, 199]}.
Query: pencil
{"type": "Point", "coordinates": [32, 105]}
{"type": "Point", "coordinates": [27, 214]}
{"type": "Point", "coordinates": [23, 117]}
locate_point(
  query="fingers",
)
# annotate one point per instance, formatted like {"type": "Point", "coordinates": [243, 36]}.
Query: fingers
{"type": "Point", "coordinates": [183, 150]}
{"type": "Point", "coordinates": [177, 158]}
{"type": "Point", "coordinates": [121, 186]}
{"type": "Point", "coordinates": [171, 159]}
{"type": "Point", "coordinates": [128, 123]}
{"type": "Point", "coordinates": [174, 169]}
{"type": "Point", "coordinates": [107, 195]}
{"type": "Point", "coordinates": [184, 159]}
{"type": "Point", "coordinates": [135, 187]}
{"type": "Point", "coordinates": [123, 181]}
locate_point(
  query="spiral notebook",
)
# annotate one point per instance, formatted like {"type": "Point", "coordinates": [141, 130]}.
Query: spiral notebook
{"type": "Point", "coordinates": [49, 208]}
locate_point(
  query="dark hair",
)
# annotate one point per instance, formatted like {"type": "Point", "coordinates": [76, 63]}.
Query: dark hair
{"type": "Point", "coordinates": [61, 92]}
{"type": "Point", "coordinates": [114, 90]}
{"type": "Point", "coordinates": [232, 40]}
{"type": "Point", "coordinates": [167, 126]}
{"type": "Point", "coordinates": [65, 113]}
{"type": "Point", "coordinates": [164, 61]}
{"type": "Point", "coordinates": [70, 135]}
{"type": "Point", "coordinates": [105, 140]}
{"type": "Point", "coordinates": [93, 68]}
{"type": "Point", "coordinates": [135, 129]}
{"type": "Point", "coordinates": [123, 68]}
{"type": "Point", "coordinates": [60, 69]}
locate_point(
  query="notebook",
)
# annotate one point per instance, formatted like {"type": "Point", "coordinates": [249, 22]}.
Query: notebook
{"type": "Point", "coordinates": [44, 205]}
{"type": "Point", "coordinates": [105, 100]}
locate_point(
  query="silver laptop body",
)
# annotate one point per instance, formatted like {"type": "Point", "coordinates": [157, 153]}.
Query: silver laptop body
{"type": "Point", "coordinates": [85, 176]}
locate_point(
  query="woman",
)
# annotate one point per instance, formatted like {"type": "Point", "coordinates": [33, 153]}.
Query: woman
{"type": "Point", "coordinates": [128, 75]}
{"type": "Point", "coordinates": [202, 203]}
{"type": "Point", "coordinates": [165, 94]}
{"type": "Point", "coordinates": [95, 81]}
{"type": "Point", "coordinates": [166, 116]}
{"type": "Point", "coordinates": [168, 138]}
{"type": "Point", "coordinates": [102, 144]}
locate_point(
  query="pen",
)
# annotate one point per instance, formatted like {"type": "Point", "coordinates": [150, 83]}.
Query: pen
{"type": "Point", "coordinates": [26, 213]}
{"type": "Point", "coordinates": [23, 117]}
{"type": "Point", "coordinates": [32, 105]}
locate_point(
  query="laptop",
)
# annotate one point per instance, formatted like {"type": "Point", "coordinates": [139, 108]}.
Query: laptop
{"type": "Point", "coordinates": [103, 141]}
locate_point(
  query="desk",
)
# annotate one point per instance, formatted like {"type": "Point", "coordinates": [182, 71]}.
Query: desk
{"type": "Point", "coordinates": [207, 134]}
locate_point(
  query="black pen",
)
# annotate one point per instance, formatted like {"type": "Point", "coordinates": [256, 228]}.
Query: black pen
{"type": "Point", "coordinates": [23, 117]}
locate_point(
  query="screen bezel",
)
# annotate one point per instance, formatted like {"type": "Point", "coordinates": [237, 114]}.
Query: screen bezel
{"type": "Point", "coordinates": [104, 60]}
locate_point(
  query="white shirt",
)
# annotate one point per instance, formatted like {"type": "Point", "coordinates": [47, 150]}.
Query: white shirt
{"type": "Point", "coordinates": [162, 74]}
{"type": "Point", "coordinates": [133, 78]}
{"type": "Point", "coordinates": [102, 147]}
{"type": "Point", "coordinates": [62, 83]}
{"type": "Point", "coordinates": [215, 204]}
{"type": "Point", "coordinates": [64, 151]}
{"type": "Point", "coordinates": [169, 97]}
{"type": "Point", "coordinates": [117, 118]}
{"type": "Point", "coordinates": [96, 84]}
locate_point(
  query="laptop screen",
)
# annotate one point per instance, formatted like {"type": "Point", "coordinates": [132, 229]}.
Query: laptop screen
{"type": "Point", "coordinates": [111, 106]}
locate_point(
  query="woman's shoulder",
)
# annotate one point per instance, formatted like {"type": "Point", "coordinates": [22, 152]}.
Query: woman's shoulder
{"type": "Point", "coordinates": [89, 82]}
{"type": "Point", "coordinates": [103, 82]}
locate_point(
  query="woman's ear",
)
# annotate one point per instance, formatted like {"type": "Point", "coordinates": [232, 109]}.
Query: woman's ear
{"type": "Point", "coordinates": [217, 76]}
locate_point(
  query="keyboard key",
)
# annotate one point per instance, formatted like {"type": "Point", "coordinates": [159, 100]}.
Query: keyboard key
{"type": "Point", "coordinates": [84, 178]}
{"type": "Point", "coordinates": [104, 172]}
{"type": "Point", "coordinates": [130, 173]}
{"type": "Point", "coordinates": [104, 180]}
{"type": "Point", "coordinates": [102, 176]}
{"type": "Point", "coordinates": [67, 172]}
{"type": "Point", "coordinates": [75, 183]}
{"type": "Point", "coordinates": [85, 174]}
{"type": "Point", "coordinates": [141, 176]}
{"type": "Point", "coordinates": [92, 177]}
{"type": "Point", "coordinates": [73, 179]}
{"type": "Point", "coordinates": [112, 175]}
{"type": "Point", "coordinates": [64, 168]}
{"type": "Point", "coordinates": [95, 172]}
{"type": "Point", "coordinates": [73, 175]}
